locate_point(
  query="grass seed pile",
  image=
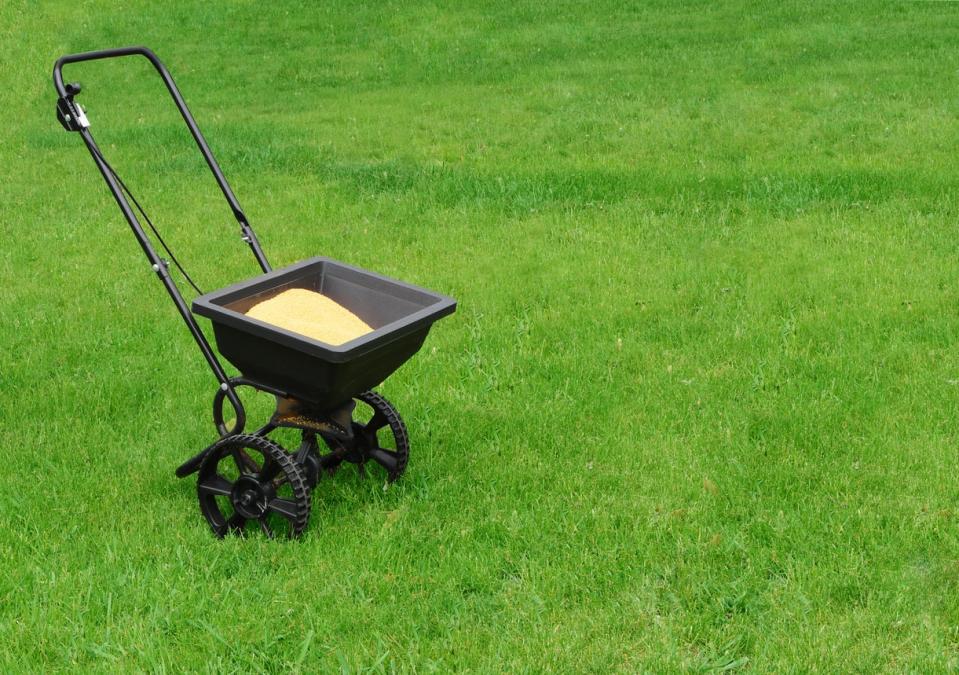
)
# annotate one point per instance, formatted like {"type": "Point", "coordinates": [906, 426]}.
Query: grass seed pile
{"type": "Point", "coordinates": [312, 314]}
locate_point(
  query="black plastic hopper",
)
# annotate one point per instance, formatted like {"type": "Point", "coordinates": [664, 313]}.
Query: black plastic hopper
{"type": "Point", "coordinates": [324, 375]}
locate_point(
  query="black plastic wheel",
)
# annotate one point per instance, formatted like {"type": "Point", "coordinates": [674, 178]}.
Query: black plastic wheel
{"type": "Point", "coordinates": [252, 479]}
{"type": "Point", "coordinates": [380, 439]}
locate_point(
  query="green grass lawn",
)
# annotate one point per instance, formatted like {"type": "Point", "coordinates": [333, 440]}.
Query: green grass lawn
{"type": "Point", "coordinates": [697, 407]}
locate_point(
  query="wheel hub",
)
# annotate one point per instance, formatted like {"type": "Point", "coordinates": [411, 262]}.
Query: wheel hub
{"type": "Point", "coordinates": [249, 497]}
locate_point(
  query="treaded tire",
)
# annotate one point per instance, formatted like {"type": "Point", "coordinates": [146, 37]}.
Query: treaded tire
{"type": "Point", "coordinates": [254, 493]}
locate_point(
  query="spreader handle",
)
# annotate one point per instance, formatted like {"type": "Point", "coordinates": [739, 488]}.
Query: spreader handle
{"type": "Point", "coordinates": [248, 234]}
{"type": "Point", "coordinates": [72, 118]}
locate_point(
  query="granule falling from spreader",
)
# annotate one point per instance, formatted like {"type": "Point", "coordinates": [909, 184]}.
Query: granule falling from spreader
{"type": "Point", "coordinates": [311, 314]}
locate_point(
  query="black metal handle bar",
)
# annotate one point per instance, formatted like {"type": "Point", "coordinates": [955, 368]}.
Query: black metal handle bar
{"type": "Point", "coordinates": [248, 235]}
{"type": "Point", "coordinates": [73, 118]}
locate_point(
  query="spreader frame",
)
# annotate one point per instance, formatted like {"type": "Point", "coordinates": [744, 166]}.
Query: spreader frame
{"type": "Point", "coordinates": [321, 390]}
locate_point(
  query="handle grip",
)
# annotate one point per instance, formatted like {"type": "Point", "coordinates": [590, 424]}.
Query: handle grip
{"type": "Point", "coordinates": [109, 54]}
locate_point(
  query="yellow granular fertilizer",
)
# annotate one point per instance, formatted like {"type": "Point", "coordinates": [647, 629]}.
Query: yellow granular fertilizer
{"type": "Point", "coordinates": [311, 314]}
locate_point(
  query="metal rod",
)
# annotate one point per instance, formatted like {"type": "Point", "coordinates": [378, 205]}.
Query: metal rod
{"type": "Point", "coordinates": [247, 231]}
{"type": "Point", "coordinates": [160, 268]}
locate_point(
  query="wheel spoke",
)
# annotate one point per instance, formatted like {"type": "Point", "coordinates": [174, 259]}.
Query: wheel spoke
{"type": "Point", "coordinates": [215, 485]}
{"type": "Point", "coordinates": [385, 458]}
{"type": "Point", "coordinates": [284, 507]}
{"type": "Point", "coordinates": [242, 460]}
{"type": "Point", "coordinates": [267, 530]}
{"type": "Point", "coordinates": [378, 421]}
{"type": "Point", "coordinates": [234, 524]}
{"type": "Point", "coordinates": [270, 469]}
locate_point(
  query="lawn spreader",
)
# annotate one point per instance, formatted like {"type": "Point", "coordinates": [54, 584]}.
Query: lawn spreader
{"type": "Point", "coordinates": [247, 479]}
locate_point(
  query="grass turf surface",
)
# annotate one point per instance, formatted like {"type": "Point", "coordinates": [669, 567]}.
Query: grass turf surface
{"type": "Point", "coordinates": [696, 409]}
